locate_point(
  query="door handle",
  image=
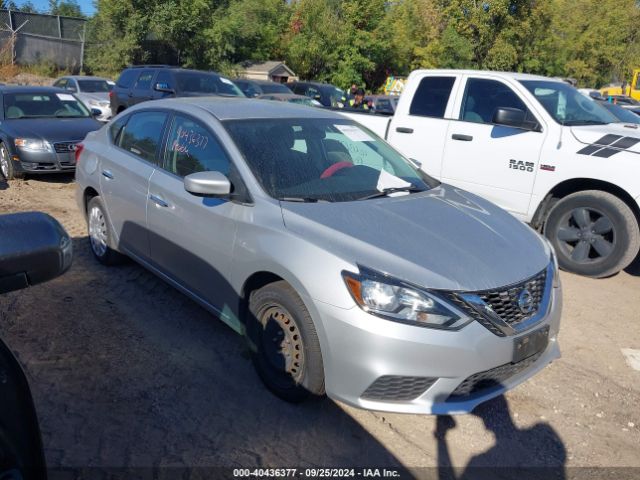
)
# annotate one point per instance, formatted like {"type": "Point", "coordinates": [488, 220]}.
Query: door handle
{"type": "Point", "coordinates": [462, 138]}
{"type": "Point", "coordinates": [404, 130]}
{"type": "Point", "coordinates": [107, 174]}
{"type": "Point", "coordinates": [158, 200]}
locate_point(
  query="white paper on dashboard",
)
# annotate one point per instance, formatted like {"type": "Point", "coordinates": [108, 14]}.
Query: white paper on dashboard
{"type": "Point", "coordinates": [354, 133]}
{"type": "Point", "coordinates": [65, 97]}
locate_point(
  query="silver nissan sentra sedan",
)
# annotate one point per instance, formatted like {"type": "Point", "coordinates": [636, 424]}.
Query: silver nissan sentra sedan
{"type": "Point", "coordinates": [349, 270]}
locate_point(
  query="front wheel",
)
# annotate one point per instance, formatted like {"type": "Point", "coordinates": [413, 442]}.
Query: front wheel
{"type": "Point", "coordinates": [284, 344]}
{"type": "Point", "coordinates": [7, 168]}
{"type": "Point", "coordinates": [594, 233]}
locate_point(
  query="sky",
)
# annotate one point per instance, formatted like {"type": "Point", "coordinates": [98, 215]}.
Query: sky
{"type": "Point", "coordinates": [43, 5]}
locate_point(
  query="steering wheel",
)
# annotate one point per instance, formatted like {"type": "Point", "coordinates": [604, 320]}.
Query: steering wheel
{"type": "Point", "coordinates": [336, 167]}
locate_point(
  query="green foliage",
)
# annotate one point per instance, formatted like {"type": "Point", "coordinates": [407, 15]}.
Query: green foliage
{"type": "Point", "coordinates": [65, 8]}
{"type": "Point", "coordinates": [362, 41]}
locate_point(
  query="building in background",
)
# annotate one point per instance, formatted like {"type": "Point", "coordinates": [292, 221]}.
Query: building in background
{"type": "Point", "coordinates": [274, 71]}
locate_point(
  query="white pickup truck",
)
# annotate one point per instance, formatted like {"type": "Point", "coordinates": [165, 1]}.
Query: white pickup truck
{"type": "Point", "coordinates": [534, 146]}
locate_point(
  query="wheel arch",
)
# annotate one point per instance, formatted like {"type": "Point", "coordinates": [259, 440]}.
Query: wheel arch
{"type": "Point", "coordinates": [575, 185]}
{"type": "Point", "coordinates": [87, 195]}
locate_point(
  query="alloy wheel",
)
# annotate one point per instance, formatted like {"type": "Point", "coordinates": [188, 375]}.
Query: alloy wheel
{"type": "Point", "coordinates": [586, 235]}
{"type": "Point", "coordinates": [4, 163]}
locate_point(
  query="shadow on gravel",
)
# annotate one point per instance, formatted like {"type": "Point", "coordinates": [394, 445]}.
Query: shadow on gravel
{"type": "Point", "coordinates": [3, 183]}
{"type": "Point", "coordinates": [128, 372]}
{"type": "Point", "coordinates": [531, 453]}
{"type": "Point", "coordinates": [634, 267]}
{"type": "Point", "coordinates": [66, 177]}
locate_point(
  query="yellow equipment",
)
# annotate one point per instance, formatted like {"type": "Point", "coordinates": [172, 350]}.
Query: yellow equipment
{"type": "Point", "coordinates": [631, 90]}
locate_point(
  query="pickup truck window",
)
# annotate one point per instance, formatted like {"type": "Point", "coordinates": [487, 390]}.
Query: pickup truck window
{"type": "Point", "coordinates": [566, 105]}
{"type": "Point", "coordinates": [482, 97]}
{"type": "Point", "coordinates": [432, 97]}
{"type": "Point", "coordinates": [341, 161]}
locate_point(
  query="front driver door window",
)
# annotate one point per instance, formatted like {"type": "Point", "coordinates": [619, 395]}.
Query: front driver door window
{"type": "Point", "coordinates": [191, 236]}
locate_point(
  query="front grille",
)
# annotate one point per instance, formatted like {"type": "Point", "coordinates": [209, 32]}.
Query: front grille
{"type": "Point", "coordinates": [64, 147]}
{"type": "Point", "coordinates": [491, 378]}
{"type": "Point", "coordinates": [395, 388]}
{"type": "Point", "coordinates": [504, 302]}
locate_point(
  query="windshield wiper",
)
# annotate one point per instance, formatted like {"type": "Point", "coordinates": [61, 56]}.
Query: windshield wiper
{"type": "Point", "coordinates": [387, 191]}
{"type": "Point", "coordinates": [302, 199]}
{"type": "Point", "coordinates": [71, 116]}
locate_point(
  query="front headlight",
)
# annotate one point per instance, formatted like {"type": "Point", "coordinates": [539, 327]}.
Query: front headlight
{"type": "Point", "coordinates": [32, 145]}
{"type": "Point", "coordinates": [394, 300]}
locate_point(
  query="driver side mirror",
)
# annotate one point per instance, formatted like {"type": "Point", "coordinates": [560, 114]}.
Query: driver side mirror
{"type": "Point", "coordinates": [34, 249]}
{"type": "Point", "coordinates": [208, 184]}
{"type": "Point", "coordinates": [95, 112]}
{"type": "Point", "coordinates": [509, 117]}
{"type": "Point", "coordinates": [163, 87]}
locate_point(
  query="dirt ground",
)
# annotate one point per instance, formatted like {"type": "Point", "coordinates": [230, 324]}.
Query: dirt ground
{"type": "Point", "coordinates": [126, 371]}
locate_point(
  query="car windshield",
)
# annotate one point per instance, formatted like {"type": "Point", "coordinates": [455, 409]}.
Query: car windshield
{"type": "Point", "coordinates": [623, 115]}
{"type": "Point", "coordinates": [312, 159]}
{"type": "Point", "coordinates": [206, 83]}
{"type": "Point", "coordinates": [274, 88]}
{"type": "Point", "coordinates": [567, 105]}
{"type": "Point", "coordinates": [43, 105]}
{"type": "Point", "coordinates": [94, 86]}
{"type": "Point", "coordinates": [310, 102]}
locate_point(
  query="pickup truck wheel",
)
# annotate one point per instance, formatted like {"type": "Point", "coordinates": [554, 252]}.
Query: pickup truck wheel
{"type": "Point", "coordinates": [100, 236]}
{"type": "Point", "coordinates": [284, 344]}
{"type": "Point", "coordinates": [594, 233]}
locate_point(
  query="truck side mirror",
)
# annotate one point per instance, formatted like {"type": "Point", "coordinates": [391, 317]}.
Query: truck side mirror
{"type": "Point", "coordinates": [509, 117]}
{"type": "Point", "coordinates": [34, 249]}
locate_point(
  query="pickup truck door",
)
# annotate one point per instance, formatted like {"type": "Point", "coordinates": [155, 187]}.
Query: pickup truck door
{"type": "Point", "coordinates": [419, 127]}
{"type": "Point", "coordinates": [497, 162]}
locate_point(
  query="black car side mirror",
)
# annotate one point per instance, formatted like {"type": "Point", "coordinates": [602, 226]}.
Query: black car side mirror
{"type": "Point", "coordinates": [95, 112]}
{"type": "Point", "coordinates": [34, 249]}
{"type": "Point", "coordinates": [510, 117]}
{"type": "Point", "coordinates": [163, 87]}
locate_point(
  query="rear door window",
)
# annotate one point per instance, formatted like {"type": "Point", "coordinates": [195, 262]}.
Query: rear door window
{"type": "Point", "coordinates": [127, 78]}
{"type": "Point", "coordinates": [432, 97]}
{"type": "Point", "coordinates": [144, 80]}
{"type": "Point", "coordinates": [142, 135]}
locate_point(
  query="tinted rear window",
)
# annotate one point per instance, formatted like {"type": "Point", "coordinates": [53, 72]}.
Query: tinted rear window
{"type": "Point", "coordinates": [432, 97]}
{"type": "Point", "coordinates": [127, 78]}
{"type": "Point", "coordinates": [274, 88]}
{"type": "Point", "coordinates": [196, 82]}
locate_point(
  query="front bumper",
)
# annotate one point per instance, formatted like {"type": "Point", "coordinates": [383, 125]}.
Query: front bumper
{"type": "Point", "coordinates": [45, 162]}
{"type": "Point", "coordinates": [360, 348]}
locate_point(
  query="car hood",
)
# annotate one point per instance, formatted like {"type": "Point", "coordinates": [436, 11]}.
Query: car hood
{"type": "Point", "coordinates": [98, 96]}
{"type": "Point", "coordinates": [444, 239]}
{"type": "Point", "coordinates": [51, 129]}
{"type": "Point", "coordinates": [620, 136]}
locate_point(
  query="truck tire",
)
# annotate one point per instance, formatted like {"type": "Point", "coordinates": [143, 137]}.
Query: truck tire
{"type": "Point", "coordinates": [594, 233]}
{"type": "Point", "coordinates": [7, 167]}
{"type": "Point", "coordinates": [100, 236]}
{"type": "Point", "coordinates": [284, 344]}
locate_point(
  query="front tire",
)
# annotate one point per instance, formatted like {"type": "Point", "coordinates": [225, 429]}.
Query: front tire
{"type": "Point", "coordinates": [7, 168]}
{"type": "Point", "coordinates": [594, 233]}
{"type": "Point", "coordinates": [100, 236]}
{"type": "Point", "coordinates": [284, 344]}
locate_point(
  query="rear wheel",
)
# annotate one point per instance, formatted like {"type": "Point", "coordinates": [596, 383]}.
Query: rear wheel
{"type": "Point", "coordinates": [284, 344]}
{"type": "Point", "coordinates": [100, 236]}
{"type": "Point", "coordinates": [594, 233]}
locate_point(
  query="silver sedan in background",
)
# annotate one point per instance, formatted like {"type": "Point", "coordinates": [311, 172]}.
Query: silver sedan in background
{"type": "Point", "coordinates": [92, 91]}
{"type": "Point", "coordinates": [349, 270]}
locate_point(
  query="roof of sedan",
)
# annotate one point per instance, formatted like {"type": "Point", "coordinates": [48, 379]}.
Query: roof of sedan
{"type": "Point", "coordinates": [29, 89]}
{"type": "Point", "coordinates": [246, 108]}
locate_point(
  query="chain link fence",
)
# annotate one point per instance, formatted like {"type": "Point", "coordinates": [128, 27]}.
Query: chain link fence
{"type": "Point", "coordinates": [32, 38]}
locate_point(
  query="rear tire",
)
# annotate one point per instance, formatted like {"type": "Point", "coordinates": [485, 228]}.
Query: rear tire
{"type": "Point", "coordinates": [7, 167]}
{"type": "Point", "coordinates": [285, 349]}
{"type": "Point", "coordinates": [594, 233]}
{"type": "Point", "coordinates": [100, 236]}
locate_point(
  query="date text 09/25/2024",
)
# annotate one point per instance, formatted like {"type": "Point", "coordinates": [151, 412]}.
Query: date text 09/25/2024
{"type": "Point", "coordinates": [315, 473]}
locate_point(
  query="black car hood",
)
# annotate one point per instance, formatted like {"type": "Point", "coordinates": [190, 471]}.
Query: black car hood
{"type": "Point", "coordinates": [50, 129]}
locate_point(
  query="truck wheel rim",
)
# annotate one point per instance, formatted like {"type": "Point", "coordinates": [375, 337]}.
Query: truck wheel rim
{"type": "Point", "coordinates": [4, 163]}
{"type": "Point", "coordinates": [282, 342]}
{"type": "Point", "coordinates": [98, 231]}
{"type": "Point", "coordinates": [586, 235]}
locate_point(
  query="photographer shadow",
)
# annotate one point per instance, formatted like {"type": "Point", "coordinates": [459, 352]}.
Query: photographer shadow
{"type": "Point", "coordinates": [527, 453]}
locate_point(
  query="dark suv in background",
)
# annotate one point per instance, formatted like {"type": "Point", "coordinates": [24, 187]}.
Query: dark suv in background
{"type": "Point", "coordinates": [151, 82]}
{"type": "Point", "coordinates": [254, 88]}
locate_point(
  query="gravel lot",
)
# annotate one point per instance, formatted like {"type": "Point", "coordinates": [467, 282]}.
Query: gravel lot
{"type": "Point", "coordinates": [126, 371]}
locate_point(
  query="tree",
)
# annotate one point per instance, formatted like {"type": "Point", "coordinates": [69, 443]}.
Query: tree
{"type": "Point", "coordinates": [65, 8]}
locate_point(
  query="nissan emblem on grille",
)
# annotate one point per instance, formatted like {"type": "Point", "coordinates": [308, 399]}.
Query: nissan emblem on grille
{"type": "Point", "coordinates": [525, 302]}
